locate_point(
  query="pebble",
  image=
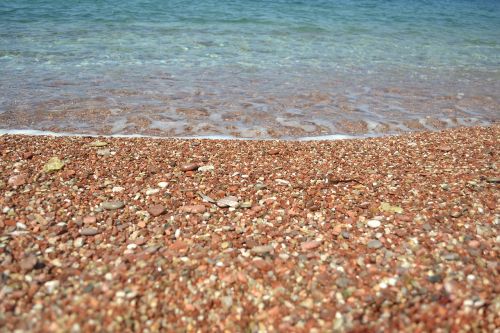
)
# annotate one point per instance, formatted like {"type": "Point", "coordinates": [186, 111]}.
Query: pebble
{"type": "Point", "coordinates": [28, 262]}
{"type": "Point", "coordinates": [117, 189]}
{"type": "Point", "coordinates": [227, 302]}
{"type": "Point", "coordinates": [451, 256]}
{"type": "Point", "coordinates": [89, 231]}
{"type": "Point", "coordinates": [98, 144]}
{"type": "Point", "coordinates": [435, 278]}
{"type": "Point", "coordinates": [373, 223]}
{"type": "Point", "coordinates": [262, 249]}
{"type": "Point", "coordinates": [387, 207]}
{"type": "Point", "coordinates": [112, 205]}
{"type": "Point", "coordinates": [311, 245]}
{"type": "Point", "coordinates": [374, 244]}
{"type": "Point", "coordinates": [230, 201]}
{"type": "Point", "coordinates": [151, 191]}
{"type": "Point", "coordinates": [17, 180]}
{"type": "Point", "coordinates": [89, 219]}
{"type": "Point", "coordinates": [54, 164]}
{"type": "Point", "coordinates": [189, 167]}
{"type": "Point", "coordinates": [206, 168]}
{"type": "Point", "coordinates": [193, 209]}
{"type": "Point", "coordinates": [246, 204]}
{"type": "Point", "coordinates": [78, 242]}
{"type": "Point", "coordinates": [474, 244]}
{"type": "Point", "coordinates": [273, 152]}
{"type": "Point", "coordinates": [345, 235]}
{"type": "Point", "coordinates": [104, 152]}
{"type": "Point", "coordinates": [162, 184]}
{"type": "Point", "coordinates": [282, 182]}
{"type": "Point", "coordinates": [260, 186]}
{"type": "Point", "coordinates": [156, 210]}
{"type": "Point", "coordinates": [51, 286]}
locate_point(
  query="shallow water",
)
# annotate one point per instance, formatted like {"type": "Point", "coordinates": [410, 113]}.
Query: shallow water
{"type": "Point", "coordinates": [255, 69]}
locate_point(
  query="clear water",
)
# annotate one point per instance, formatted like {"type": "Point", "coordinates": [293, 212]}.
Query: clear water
{"type": "Point", "coordinates": [248, 68]}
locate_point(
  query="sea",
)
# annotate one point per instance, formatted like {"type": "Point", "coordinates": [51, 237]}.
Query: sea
{"type": "Point", "coordinates": [256, 69]}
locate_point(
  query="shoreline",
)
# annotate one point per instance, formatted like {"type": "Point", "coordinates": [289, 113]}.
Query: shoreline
{"type": "Point", "coordinates": [195, 234]}
{"type": "Point", "coordinates": [207, 137]}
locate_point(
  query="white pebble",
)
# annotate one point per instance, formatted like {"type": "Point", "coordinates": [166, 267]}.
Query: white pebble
{"type": "Point", "coordinates": [373, 223]}
{"type": "Point", "coordinates": [151, 191]}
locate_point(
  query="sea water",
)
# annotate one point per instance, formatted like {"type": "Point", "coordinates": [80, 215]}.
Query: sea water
{"type": "Point", "coordinates": [248, 68]}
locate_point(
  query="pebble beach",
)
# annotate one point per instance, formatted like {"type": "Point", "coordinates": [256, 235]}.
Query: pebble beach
{"type": "Point", "coordinates": [397, 233]}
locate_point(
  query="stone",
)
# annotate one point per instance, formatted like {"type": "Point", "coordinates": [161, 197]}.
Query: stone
{"type": "Point", "coordinates": [189, 167]}
{"type": "Point", "coordinates": [474, 244]}
{"type": "Point", "coordinates": [151, 191]}
{"type": "Point", "coordinates": [112, 205]}
{"type": "Point", "coordinates": [89, 231]}
{"type": "Point", "coordinates": [78, 242]}
{"type": "Point", "coordinates": [104, 152]}
{"type": "Point", "coordinates": [17, 180]}
{"type": "Point", "coordinates": [246, 204]}
{"type": "Point", "coordinates": [387, 207]}
{"type": "Point", "coordinates": [227, 302]}
{"type": "Point", "coordinates": [342, 282]}
{"type": "Point", "coordinates": [89, 219]}
{"type": "Point", "coordinates": [373, 223]}
{"type": "Point", "coordinates": [262, 249]}
{"type": "Point", "coordinates": [28, 263]}
{"type": "Point", "coordinates": [206, 168]}
{"type": "Point", "coordinates": [54, 164]}
{"type": "Point", "coordinates": [273, 152]}
{"type": "Point", "coordinates": [51, 286]}
{"type": "Point", "coordinates": [345, 235]}
{"type": "Point", "coordinates": [230, 201]}
{"type": "Point", "coordinates": [260, 186]}
{"type": "Point", "coordinates": [98, 144]}
{"type": "Point", "coordinates": [156, 210]}
{"type": "Point", "coordinates": [311, 245]}
{"type": "Point", "coordinates": [162, 184]}
{"type": "Point", "coordinates": [435, 278]}
{"type": "Point", "coordinates": [374, 244]}
{"type": "Point", "coordinates": [337, 230]}
{"type": "Point", "coordinates": [117, 189]}
{"type": "Point", "coordinates": [282, 182]}
{"type": "Point", "coordinates": [193, 209]}
{"type": "Point", "coordinates": [451, 256]}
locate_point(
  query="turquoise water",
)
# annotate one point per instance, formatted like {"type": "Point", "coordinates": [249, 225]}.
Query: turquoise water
{"type": "Point", "coordinates": [248, 68]}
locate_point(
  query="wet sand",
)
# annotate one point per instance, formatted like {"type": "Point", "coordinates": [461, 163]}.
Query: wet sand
{"type": "Point", "coordinates": [396, 233]}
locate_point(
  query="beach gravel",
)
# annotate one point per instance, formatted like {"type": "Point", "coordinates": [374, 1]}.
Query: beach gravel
{"type": "Point", "coordinates": [276, 236]}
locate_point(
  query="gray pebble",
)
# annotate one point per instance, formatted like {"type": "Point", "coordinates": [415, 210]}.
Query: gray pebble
{"type": "Point", "coordinates": [89, 231]}
{"type": "Point", "coordinates": [374, 244]}
{"type": "Point", "coordinates": [112, 205]}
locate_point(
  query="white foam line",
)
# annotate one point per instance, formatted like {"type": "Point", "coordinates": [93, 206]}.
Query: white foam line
{"type": "Point", "coordinates": [209, 137]}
